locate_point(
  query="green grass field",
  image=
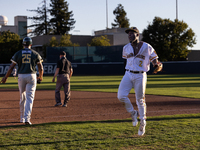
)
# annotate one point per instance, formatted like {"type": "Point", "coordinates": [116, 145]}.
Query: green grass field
{"type": "Point", "coordinates": [171, 85]}
{"type": "Point", "coordinates": [176, 132]}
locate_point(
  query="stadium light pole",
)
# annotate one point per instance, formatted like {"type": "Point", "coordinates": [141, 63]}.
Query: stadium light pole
{"type": "Point", "coordinates": [177, 9]}
{"type": "Point", "coordinates": [106, 14]}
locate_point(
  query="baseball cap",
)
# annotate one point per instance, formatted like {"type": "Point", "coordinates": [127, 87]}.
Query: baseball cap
{"type": "Point", "coordinates": [62, 53]}
{"type": "Point", "coordinates": [134, 29]}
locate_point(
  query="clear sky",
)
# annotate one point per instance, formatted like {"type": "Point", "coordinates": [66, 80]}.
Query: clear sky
{"type": "Point", "coordinates": [90, 15]}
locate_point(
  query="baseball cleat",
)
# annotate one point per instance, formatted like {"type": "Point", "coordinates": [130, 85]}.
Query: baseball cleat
{"type": "Point", "coordinates": [64, 105]}
{"type": "Point", "coordinates": [22, 121]}
{"type": "Point", "coordinates": [134, 116]}
{"type": "Point", "coordinates": [141, 130]}
{"type": "Point", "coordinates": [28, 123]}
{"type": "Point", "coordinates": [58, 104]}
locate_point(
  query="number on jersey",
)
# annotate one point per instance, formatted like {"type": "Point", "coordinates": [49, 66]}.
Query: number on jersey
{"type": "Point", "coordinates": [26, 58]}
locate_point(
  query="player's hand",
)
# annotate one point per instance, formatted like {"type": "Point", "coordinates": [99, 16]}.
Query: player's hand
{"type": "Point", "coordinates": [3, 80]}
{"type": "Point", "coordinates": [39, 79]}
{"type": "Point", "coordinates": [158, 67]}
{"type": "Point", "coordinates": [53, 80]}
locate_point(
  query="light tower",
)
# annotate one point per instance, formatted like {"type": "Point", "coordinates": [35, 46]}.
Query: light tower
{"type": "Point", "coordinates": [177, 9]}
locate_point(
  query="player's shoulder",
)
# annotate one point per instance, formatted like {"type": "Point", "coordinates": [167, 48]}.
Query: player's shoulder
{"type": "Point", "coordinates": [19, 52]}
{"type": "Point", "coordinates": [34, 52]}
{"type": "Point", "coordinates": [69, 61]}
{"type": "Point", "coordinates": [127, 45]}
{"type": "Point", "coordinates": [145, 44]}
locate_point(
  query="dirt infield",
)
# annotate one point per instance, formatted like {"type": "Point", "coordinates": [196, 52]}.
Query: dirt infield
{"type": "Point", "coordinates": [88, 106]}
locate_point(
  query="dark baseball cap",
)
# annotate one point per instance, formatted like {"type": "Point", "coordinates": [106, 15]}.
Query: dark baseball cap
{"type": "Point", "coordinates": [62, 53]}
{"type": "Point", "coordinates": [134, 29]}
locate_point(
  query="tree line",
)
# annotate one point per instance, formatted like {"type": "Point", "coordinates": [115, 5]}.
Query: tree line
{"type": "Point", "coordinates": [53, 19]}
{"type": "Point", "coordinates": [58, 20]}
{"type": "Point", "coordinates": [170, 39]}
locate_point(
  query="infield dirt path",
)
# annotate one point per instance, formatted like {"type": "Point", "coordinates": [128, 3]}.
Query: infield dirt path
{"type": "Point", "coordinates": [86, 106]}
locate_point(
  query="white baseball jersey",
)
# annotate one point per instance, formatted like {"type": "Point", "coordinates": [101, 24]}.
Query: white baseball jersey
{"type": "Point", "coordinates": [140, 62]}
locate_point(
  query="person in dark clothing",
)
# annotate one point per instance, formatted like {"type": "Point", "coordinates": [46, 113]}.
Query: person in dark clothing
{"type": "Point", "coordinates": [63, 72]}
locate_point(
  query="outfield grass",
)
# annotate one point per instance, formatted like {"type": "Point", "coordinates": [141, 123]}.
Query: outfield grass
{"type": "Point", "coordinates": [176, 132]}
{"type": "Point", "coordinates": [170, 85]}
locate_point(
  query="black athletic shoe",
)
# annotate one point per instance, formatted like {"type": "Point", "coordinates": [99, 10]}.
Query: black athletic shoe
{"type": "Point", "coordinates": [64, 105]}
{"type": "Point", "coordinates": [58, 104]}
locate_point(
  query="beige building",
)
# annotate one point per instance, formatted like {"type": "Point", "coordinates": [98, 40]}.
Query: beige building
{"type": "Point", "coordinates": [19, 27]}
{"type": "Point", "coordinates": [117, 36]}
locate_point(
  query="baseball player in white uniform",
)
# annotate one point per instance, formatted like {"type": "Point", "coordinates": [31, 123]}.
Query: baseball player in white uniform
{"type": "Point", "coordinates": [138, 56]}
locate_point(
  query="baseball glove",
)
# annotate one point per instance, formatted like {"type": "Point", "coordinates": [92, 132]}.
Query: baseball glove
{"type": "Point", "coordinates": [38, 81]}
{"type": "Point", "coordinates": [158, 67]}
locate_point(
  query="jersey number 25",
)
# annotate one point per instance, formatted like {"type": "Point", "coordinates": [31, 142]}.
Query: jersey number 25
{"type": "Point", "coordinates": [26, 58]}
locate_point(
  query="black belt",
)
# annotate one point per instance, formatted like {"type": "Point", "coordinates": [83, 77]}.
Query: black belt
{"type": "Point", "coordinates": [135, 71]}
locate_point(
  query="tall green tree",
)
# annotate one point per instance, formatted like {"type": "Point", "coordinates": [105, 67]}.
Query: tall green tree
{"type": "Point", "coordinates": [170, 39]}
{"type": "Point", "coordinates": [100, 41]}
{"type": "Point", "coordinates": [121, 20]}
{"type": "Point", "coordinates": [62, 20]}
{"type": "Point", "coordinates": [63, 42]}
{"type": "Point", "coordinates": [53, 42]}
{"type": "Point", "coordinates": [9, 44]}
{"type": "Point", "coordinates": [40, 23]}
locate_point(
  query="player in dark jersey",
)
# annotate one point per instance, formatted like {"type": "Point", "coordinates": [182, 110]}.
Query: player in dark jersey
{"type": "Point", "coordinates": [26, 59]}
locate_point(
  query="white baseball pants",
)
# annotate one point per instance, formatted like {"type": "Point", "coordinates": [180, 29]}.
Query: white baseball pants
{"type": "Point", "coordinates": [138, 82]}
{"type": "Point", "coordinates": [27, 86]}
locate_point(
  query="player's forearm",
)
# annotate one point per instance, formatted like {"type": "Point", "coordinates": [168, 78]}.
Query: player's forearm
{"type": "Point", "coordinates": [41, 71]}
{"type": "Point", "coordinates": [10, 70]}
{"type": "Point", "coordinates": [8, 73]}
{"type": "Point", "coordinates": [4, 79]}
{"type": "Point", "coordinates": [71, 72]}
{"type": "Point", "coordinates": [56, 72]}
{"type": "Point", "coordinates": [155, 61]}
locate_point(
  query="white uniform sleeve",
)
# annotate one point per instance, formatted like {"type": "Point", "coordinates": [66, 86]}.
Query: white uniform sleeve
{"type": "Point", "coordinates": [153, 54]}
{"type": "Point", "coordinates": [124, 54]}
{"type": "Point", "coordinates": [127, 51]}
